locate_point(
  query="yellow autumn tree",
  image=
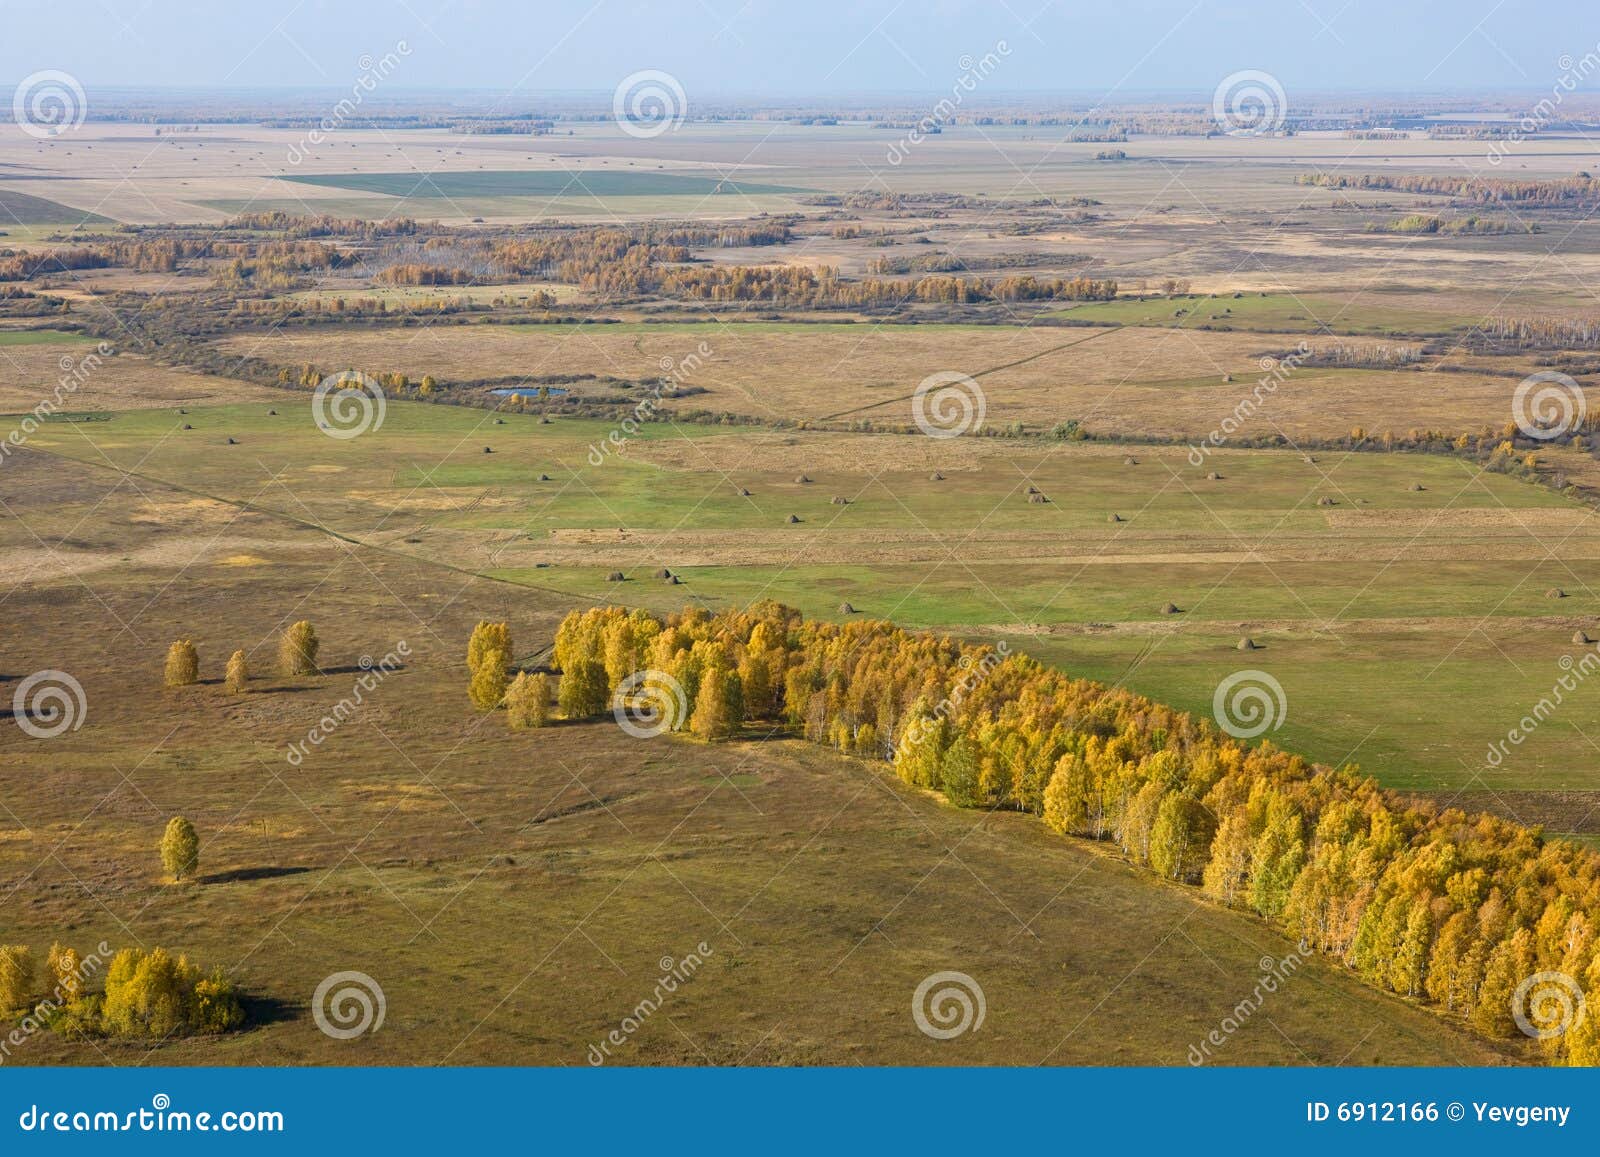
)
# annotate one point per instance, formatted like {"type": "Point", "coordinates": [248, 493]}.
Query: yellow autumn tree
{"type": "Point", "coordinates": [180, 848]}
{"type": "Point", "coordinates": [297, 649]}
{"type": "Point", "coordinates": [238, 673]}
{"type": "Point", "coordinates": [528, 701]}
{"type": "Point", "coordinates": [183, 664]}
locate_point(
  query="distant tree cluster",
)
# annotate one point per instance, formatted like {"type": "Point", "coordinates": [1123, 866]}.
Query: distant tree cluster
{"type": "Point", "coordinates": [1490, 190]}
{"type": "Point", "coordinates": [1428, 902]}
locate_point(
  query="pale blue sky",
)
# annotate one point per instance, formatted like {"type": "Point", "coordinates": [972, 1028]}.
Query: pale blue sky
{"type": "Point", "coordinates": [723, 47]}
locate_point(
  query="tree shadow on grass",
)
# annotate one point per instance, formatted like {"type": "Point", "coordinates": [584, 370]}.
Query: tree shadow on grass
{"type": "Point", "coordinates": [261, 1011]}
{"type": "Point", "coordinates": [239, 875]}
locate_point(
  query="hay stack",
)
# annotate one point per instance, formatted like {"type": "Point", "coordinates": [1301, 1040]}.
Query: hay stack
{"type": "Point", "coordinates": [743, 493]}
{"type": "Point", "coordinates": [1326, 501]}
{"type": "Point", "coordinates": [544, 478]}
{"type": "Point", "coordinates": [1114, 518]}
{"type": "Point", "coordinates": [792, 519]}
{"type": "Point", "coordinates": [1213, 477]}
{"type": "Point", "coordinates": [1037, 498]}
{"type": "Point", "coordinates": [673, 580]}
{"type": "Point", "coordinates": [663, 573]}
{"type": "Point", "coordinates": [1171, 609]}
{"type": "Point", "coordinates": [1555, 593]}
{"type": "Point", "coordinates": [1415, 486]}
{"type": "Point", "coordinates": [616, 576]}
{"type": "Point", "coordinates": [488, 450]}
{"type": "Point", "coordinates": [232, 441]}
{"type": "Point", "coordinates": [936, 477]}
{"type": "Point", "coordinates": [1581, 639]}
{"type": "Point", "coordinates": [186, 426]}
{"type": "Point", "coordinates": [1248, 644]}
{"type": "Point", "coordinates": [802, 480]}
{"type": "Point", "coordinates": [837, 501]}
{"type": "Point", "coordinates": [272, 413]}
{"type": "Point", "coordinates": [1309, 458]}
{"type": "Point", "coordinates": [1130, 460]}
{"type": "Point", "coordinates": [846, 609]}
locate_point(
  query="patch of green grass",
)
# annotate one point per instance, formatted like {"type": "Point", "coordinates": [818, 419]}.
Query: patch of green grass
{"type": "Point", "coordinates": [1308, 313]}
{"type": "Point", "coordinates": [17, 337]}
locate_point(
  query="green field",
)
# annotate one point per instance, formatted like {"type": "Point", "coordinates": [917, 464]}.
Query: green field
{"type": "Point", "coordinates": [1272, 312]}
{"type": "Point", "coordinates": [1377, 614]}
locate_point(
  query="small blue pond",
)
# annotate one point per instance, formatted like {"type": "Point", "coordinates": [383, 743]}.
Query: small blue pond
{"type": "Point", "coordinates": [528, 392]}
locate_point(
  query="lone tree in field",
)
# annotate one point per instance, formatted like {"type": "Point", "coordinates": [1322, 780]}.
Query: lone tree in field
{"type": "Point", "coordinates": [183, 664]}
{"type": "Point", "coordinates": [238, 672]}
{"type": "Point", "coordinates": [528, 701]}
{"type": "Point", "coordinates": [16, 976]}
{"type": "Point", "coordinates": [297, 650]}
{"type": "Point", "coordinates": [584, 689]}
{"type": "Point", "coordinates": [180, 848]}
